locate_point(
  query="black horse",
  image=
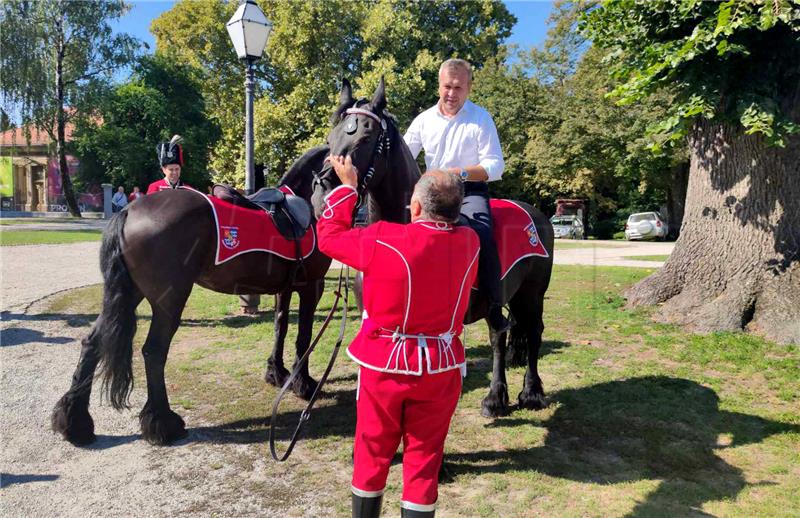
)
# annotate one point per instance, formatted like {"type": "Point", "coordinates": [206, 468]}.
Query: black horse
{"type": "Point", "coordinates": [524, 286]}
{"type": "Point", "coordinates": [163, 244]}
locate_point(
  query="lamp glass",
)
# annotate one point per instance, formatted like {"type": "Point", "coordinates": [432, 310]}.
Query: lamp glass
{"type": "Point", "coordinates": [249, 30]}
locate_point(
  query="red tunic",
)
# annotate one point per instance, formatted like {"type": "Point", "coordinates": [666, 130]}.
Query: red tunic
{"type": "Point", "coordinates": [417, 281]}
{"type": "Point", "coordinates": [163, 184]}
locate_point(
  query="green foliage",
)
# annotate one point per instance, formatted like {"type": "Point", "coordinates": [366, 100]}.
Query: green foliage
{"type": "Point", "coordinates": [118, 142]}
{"type": "Point", "coordinates": [730, 61]}
{"type": "Point", "coordinates": [312, 45]}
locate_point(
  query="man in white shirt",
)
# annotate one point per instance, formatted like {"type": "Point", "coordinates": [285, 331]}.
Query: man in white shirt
{"type": "Point", "coordinates": [460, 137]}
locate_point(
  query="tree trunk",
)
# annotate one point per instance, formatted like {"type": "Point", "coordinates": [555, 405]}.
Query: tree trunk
{"type": "Point", "coordinates": [736, 264]}
{"type": "Point", "coordinates": [676, 198]}
{"type": "Point", "coordinates": [61, 122]}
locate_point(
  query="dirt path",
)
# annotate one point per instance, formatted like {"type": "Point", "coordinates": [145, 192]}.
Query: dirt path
{"type": "Point", "coordinates": [119, 475]}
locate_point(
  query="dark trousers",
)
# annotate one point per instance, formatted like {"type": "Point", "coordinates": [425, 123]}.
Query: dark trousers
{"type": "Point", "coordinates": [476, 210]}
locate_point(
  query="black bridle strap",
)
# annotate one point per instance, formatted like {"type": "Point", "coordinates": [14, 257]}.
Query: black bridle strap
{"type": "Point", "coordinates": [305, 415]}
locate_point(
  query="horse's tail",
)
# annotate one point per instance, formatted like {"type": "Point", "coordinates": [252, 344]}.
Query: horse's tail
{"type": "Point", "coordinates": [117, 322]}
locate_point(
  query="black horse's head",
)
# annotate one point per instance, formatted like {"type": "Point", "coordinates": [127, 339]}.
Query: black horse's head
{"type": "Point", "coordinates": [359, 130]}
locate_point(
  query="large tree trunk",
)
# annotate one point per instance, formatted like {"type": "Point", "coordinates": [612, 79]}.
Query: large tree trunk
{"type": "Point", "coordinates": [736, 264]}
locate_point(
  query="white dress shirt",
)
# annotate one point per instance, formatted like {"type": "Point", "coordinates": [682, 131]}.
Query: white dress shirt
{"type": "Point", "coordinates": [469, 138]}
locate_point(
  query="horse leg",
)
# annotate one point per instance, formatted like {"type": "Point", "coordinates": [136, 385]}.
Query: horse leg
{"type": "Point", "coordinates": [160, 425]}
{"type": "Point", "coordinates": [528, 309]}
{"type": "Point", "coordinates": [304, 385]}
{"type": "Point", "coordinates": [112, 338]}
{"type": "Point", "coordinates": [495, 404]}
{"type": "Point", "coordinates": [71, 416]}
{"type": "Point", "coordinates": [276, 373]}
{"type": "Point", "coordinates": [518, 343]}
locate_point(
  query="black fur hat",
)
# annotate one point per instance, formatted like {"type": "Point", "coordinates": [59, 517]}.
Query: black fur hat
{"type": "Point", "coordinates": [170, 152]}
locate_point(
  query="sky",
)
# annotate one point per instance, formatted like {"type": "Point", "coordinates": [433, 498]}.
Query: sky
{"type": "Point", "coordinates": [529, 31]}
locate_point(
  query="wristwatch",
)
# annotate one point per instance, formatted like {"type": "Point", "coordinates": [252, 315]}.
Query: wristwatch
{"type": "Point", "coordinates": [463, 174]}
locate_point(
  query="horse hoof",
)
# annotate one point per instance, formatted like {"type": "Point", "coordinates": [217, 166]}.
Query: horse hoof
{"type": "Point", "coordinates": [532, 400]}
{"type": "Point", "coordinates": [162, 428]}
{"type": "Point", "coordinates": [304, 387]}
{"type": "Point", "coordinates": [495, 405]}
{"type": "Point", "coordinates": [276, 375]}
{"type": "Point", "coordinates": [73, 423]}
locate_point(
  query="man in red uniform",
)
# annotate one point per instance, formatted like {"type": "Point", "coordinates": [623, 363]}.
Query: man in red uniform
{"type": "Point", "coordinates": [170, 157]}
{"type": "Point", "coordinates": [417, 281]}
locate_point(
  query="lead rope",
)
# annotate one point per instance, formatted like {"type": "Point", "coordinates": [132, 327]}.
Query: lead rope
{"type": "Point", "coordinates": [305, 415]}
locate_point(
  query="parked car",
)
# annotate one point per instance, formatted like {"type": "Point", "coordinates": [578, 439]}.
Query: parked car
{"type": "Point", "coordinates": [568, 227]}
{"type": "Point", "coordinates": [646, 225]}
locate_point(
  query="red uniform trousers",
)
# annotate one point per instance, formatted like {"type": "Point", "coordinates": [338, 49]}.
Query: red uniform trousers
{"type": "Point", "coordinates": [416, 409]}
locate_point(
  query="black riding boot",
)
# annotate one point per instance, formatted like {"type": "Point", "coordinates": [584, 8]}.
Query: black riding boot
{"type": "Point", "coordinates": [408, 513]}
{"type": "Point", "coordinates": [367, 507]}
{"type": "Point", "coordinates": [477, 212]}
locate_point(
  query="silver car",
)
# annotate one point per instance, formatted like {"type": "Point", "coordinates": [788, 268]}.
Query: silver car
{"type": "Point", "coordinates": [646, 225]}
{"type": "Point", "coordinates": [567, 227]}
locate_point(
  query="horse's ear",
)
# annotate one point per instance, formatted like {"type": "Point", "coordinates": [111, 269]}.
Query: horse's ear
{"type": "Point", "coordinates": [379, 98]}
{"type": "Point", "coordinates": [346, 93]}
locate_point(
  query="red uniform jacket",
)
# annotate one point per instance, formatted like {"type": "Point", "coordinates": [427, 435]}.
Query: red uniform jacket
{"type": "Point", "coordinates": [417, 281]}
{"type": "Point", "coordinates": [160, 185]}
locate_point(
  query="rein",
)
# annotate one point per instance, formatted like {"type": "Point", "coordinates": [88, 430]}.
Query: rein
{"type": "Point", "coordinates": [305, 415]}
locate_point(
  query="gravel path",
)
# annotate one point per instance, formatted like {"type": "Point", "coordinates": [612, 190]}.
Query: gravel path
{"type": "Point", "coordinates": [121, 475]}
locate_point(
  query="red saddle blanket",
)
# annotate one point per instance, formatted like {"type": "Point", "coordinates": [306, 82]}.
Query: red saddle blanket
{"type": "Point", "coordinates": [515, 234]}
{"type": "Point", "coordinates": [241, 230]}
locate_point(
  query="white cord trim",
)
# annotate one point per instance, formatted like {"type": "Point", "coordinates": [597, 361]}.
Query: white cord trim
{"type": "Point", "coordinates": [366, 494]}
{"type": "Point", "coordinates": [411, 506]}
{"type": "Point", "coordinates": [408, 270]}
{"type": "Point", "coordinates": [359, 111]}
{"type": "Point", "coordinates": [328, 212]}
{"type": "Point", "coordinates": [461, 290]}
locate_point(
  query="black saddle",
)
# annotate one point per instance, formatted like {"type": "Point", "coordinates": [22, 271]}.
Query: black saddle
{"type": "Point", "coordinates": [291, 214]}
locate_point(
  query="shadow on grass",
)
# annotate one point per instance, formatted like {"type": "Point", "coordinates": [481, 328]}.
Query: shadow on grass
{"type": "Point", "coordinates": [625, 431]}
{"type": "Point", "coordinates": [333, 416]}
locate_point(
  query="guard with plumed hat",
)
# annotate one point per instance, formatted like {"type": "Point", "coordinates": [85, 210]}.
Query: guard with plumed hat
{"type": "Point", "coordinates": [170, 158]}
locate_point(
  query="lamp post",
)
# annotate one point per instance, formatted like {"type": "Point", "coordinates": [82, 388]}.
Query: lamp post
{"type": "Point", "coordinates": [249, 30]}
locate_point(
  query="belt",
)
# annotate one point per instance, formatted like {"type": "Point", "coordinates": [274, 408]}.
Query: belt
{"type": "Point", "coordinates": [444, 343]}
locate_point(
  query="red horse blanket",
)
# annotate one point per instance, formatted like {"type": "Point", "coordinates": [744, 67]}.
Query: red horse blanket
{"type": "Point", "coordinates": [241, 230]}
{"type": "Point", "coordinates": [515, 234]}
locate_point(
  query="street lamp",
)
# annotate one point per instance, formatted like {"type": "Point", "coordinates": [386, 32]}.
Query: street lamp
{"type": "Point", "coordinates": [249, 31]}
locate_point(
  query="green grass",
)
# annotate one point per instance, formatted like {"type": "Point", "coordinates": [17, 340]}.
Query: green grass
{"type": "Point", "coordinates": [38, 221]}
{"type": "Point", "coordinates": [644, 419]}
{"type": "Point", "coordinates": [47, 237]}
{"type": "Point", "coordinates": [659, 258]}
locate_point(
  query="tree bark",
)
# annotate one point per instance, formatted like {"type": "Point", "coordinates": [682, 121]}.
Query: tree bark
{"type": "Point", "coordinates": [676, 198]}
{"type": "Point", "coordinates": [736, 264]}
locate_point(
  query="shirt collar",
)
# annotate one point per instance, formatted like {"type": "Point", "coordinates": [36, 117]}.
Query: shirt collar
{"type": "Point", "coordinates": [434, 225]}
{"type": "Point", "coordinates": [464, 110]}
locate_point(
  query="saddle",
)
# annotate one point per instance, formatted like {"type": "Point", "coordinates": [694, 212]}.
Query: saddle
{"type": "Point", "coordinates": [291, 214]}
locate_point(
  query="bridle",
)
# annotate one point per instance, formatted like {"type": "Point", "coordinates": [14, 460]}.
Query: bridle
{"type": "Point", "coordinates": [382, 146]}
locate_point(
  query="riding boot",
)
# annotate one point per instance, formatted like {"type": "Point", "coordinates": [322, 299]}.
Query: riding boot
{"type": "Point", "coordinates": [367, 507]}
{"type": "Point", "coordinates": [408, 513]}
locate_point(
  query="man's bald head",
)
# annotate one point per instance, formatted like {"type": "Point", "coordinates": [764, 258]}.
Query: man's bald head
{"type": "Point", "coordinates": [440, 195]}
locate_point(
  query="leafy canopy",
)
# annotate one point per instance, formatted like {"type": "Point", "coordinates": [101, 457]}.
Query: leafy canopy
{"type": "Point", "coordinates": [732, 61]}
{"type": "Point", "coordinates": [312, 45]}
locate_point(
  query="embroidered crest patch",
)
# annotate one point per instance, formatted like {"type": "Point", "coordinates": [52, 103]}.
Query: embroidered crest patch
{"type": "Point", "coordinates": [533, 236]}
{"type": "Point", "coordinates": [230, 237]}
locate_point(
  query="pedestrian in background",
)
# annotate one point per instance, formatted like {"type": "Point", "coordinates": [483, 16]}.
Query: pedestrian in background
{"type": "Point", "coordinates": [119, 200]}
